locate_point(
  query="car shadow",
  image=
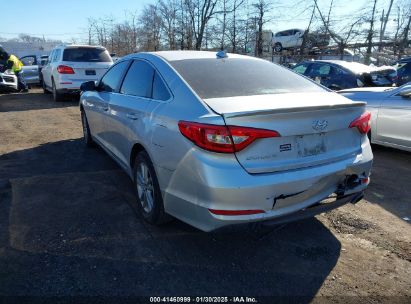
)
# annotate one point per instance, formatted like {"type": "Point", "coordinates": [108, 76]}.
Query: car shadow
{"type": "Point", "coordinates": [34, 101]}
{"type": "Point", "coordinates": [68, 227]}
{"type": "Point", "coordinates": [390, 178]}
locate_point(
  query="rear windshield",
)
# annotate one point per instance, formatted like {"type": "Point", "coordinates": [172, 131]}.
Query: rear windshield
{"type": "Point", "coordinates": [86, 54]}
{"type": "Point", "coordinates": [215, 78]}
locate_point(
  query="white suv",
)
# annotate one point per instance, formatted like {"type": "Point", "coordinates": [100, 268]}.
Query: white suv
{"type": "Point", "coordinates": [69, 66]}
{"type": "Point", "coordinates": [294, 39]}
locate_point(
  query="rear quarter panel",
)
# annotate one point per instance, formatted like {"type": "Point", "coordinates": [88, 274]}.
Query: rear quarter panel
{"type": "Point", "coordinates": [166, 146]}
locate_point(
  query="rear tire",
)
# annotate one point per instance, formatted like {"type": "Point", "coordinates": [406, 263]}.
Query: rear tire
{"type": "Point", "coordinates": [278, 47]}
{"type": "Point", "coordinates": [56, 95]}
{"type": "Point", "coordinates": [45, 91]}
{"type": "Point", "coordinates": [149, 199]}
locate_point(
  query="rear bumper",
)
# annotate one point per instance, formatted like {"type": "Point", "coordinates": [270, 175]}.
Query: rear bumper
{"type": "Point", "coordinates": [68, 91]}
{"type": "Point", "coordinates": [318, 208]}
{"type": "Point", "coordinates": [309, 212]}
{"type": "Point", "coordinates": [212, 183]}
{"type": "Point", "coordinates": [66, 85]}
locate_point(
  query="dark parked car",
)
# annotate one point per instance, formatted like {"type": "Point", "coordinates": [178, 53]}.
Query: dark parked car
{"type": "Point", "coordinates": [404, 71]}
{"type": "Point", "coordinates": [339, 74]}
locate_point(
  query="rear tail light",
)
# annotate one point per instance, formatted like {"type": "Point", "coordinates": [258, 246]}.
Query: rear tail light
{"type": "Point", "coordinates": [223, 139]}
{"type": "Point", "coordinates": [235, 212]}
{"type": "Point", "coordinates": [362, 123]}
{"type": "Point", "coordinates": [64, 69]}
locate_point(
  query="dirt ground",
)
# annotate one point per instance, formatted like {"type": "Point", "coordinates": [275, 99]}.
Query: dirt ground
{"type": "Point", "coordinates": [68, 227]}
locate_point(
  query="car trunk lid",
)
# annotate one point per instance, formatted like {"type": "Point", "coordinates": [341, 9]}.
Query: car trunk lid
{"type": "Point", "coordinates": [87, 71]}
{"type": "Point", "coordinates": [314, 129]}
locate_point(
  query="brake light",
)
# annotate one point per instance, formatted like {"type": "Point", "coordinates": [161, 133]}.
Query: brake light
{"type": "Point", "coordinates": [235, 212]}
{"type": "Point", "coordinates": [223, 139]}
{"type": "Point", "coordinates": [64, 69]}
{"type": "Point", "coordinates": [362, 123]}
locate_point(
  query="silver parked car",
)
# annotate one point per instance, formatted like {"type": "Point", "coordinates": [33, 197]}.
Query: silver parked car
{"type": "Point", "coordinates": [31, 71]}
{"type": "Point", "coordinates": [391, 114]}
{"type": "Point", "coordinates": [215, 140]}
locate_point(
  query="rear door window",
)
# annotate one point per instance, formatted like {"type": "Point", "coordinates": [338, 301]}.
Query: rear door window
{"type": "Point", "coordinates": [86, 54]}
{"type": "Point", "coordinates": [111, 80]}
{"type": "Point", "coordinates": [139, 80]}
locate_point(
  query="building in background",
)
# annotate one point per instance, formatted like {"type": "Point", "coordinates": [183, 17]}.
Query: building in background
{"type": "Point", "coordinates": [21, 49]}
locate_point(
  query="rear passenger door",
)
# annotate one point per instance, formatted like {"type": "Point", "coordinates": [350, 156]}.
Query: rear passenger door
{"type": "Point", "coordinates": [322, 73]}
{"type": "Point", "coordinates": [129, 114]}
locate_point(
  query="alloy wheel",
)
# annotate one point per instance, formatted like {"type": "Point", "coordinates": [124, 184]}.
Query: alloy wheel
{"type": "Point", "coordinates": [145, 187]}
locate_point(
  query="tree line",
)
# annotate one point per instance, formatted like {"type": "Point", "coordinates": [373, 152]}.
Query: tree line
{"type": "Point", "coordinates": [238, 25]}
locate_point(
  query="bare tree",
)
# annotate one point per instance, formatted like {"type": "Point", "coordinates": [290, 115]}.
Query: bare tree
{"type": "Point", "coordinates": [307, 31]}
{"type": "Point", "coordinates": [404, 43]}
{"type": "Point", "coordinates": [200, 13]}
{"type": "Point", "coordinates": [168, 11]}
{"type": "Point", "coordinates": [384, 21]}
{"type": "Point", "coordinates": [346, 31]}
{"type": "Point", "coordinates": [262, 8]}
{"type": "Point", "coordinates": [150, 29]}
{"type": "Point", "coordinates": [236, 27]}
{"type": "Point", "coordinates": [370, 34]}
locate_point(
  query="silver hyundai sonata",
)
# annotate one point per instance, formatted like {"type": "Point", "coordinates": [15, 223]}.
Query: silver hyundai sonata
{"type": "Point", "coordinates": [216, 139]}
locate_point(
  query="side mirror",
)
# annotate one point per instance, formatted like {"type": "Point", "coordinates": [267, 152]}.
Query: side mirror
{"type": "Point", "coordinates": [406, 93]}
{"type": "Point", "coordinates": [88, 86]}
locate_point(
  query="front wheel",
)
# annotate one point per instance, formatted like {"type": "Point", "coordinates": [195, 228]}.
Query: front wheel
{"type": "Point", "coordinates": [278, 47]}
{"type": "Point", "coordinates": [88, 140]}
{"type": "Point", "coordinates": [150, 201]}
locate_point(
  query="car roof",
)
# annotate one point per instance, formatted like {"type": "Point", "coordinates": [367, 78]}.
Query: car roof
{"type": "Point", "coordinates": [292, 29]}
{"type": "Point", "coordinates": [69, 46]}
{"type": "Point", "coordinates": [187, 55]}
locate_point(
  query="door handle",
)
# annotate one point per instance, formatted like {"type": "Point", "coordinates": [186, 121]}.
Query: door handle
{"type": "Point", "coordinates": [132, 116]}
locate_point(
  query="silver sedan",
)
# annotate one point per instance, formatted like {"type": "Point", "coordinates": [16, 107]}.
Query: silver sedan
{"type": "Point", "coordinates": [390, 114]}
{"type": "Point", "coordinates": [217, 139]}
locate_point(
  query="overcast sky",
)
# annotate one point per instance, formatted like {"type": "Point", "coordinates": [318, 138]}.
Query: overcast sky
{"type": "Point", "coordinates": [64, 20]}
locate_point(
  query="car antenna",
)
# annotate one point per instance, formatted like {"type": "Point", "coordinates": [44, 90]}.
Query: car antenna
{"type": "Point", "coordinates": [221, 54]}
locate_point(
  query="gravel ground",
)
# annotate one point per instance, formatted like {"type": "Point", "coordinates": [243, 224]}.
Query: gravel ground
{"type": "Point", "coordinates": [68, 227]}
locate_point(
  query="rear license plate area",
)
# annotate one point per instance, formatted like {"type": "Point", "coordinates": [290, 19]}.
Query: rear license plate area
{"type": "Point", "coordinates": [311, 145]}
{"type": "Point", "coordinates": [90, 72]}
